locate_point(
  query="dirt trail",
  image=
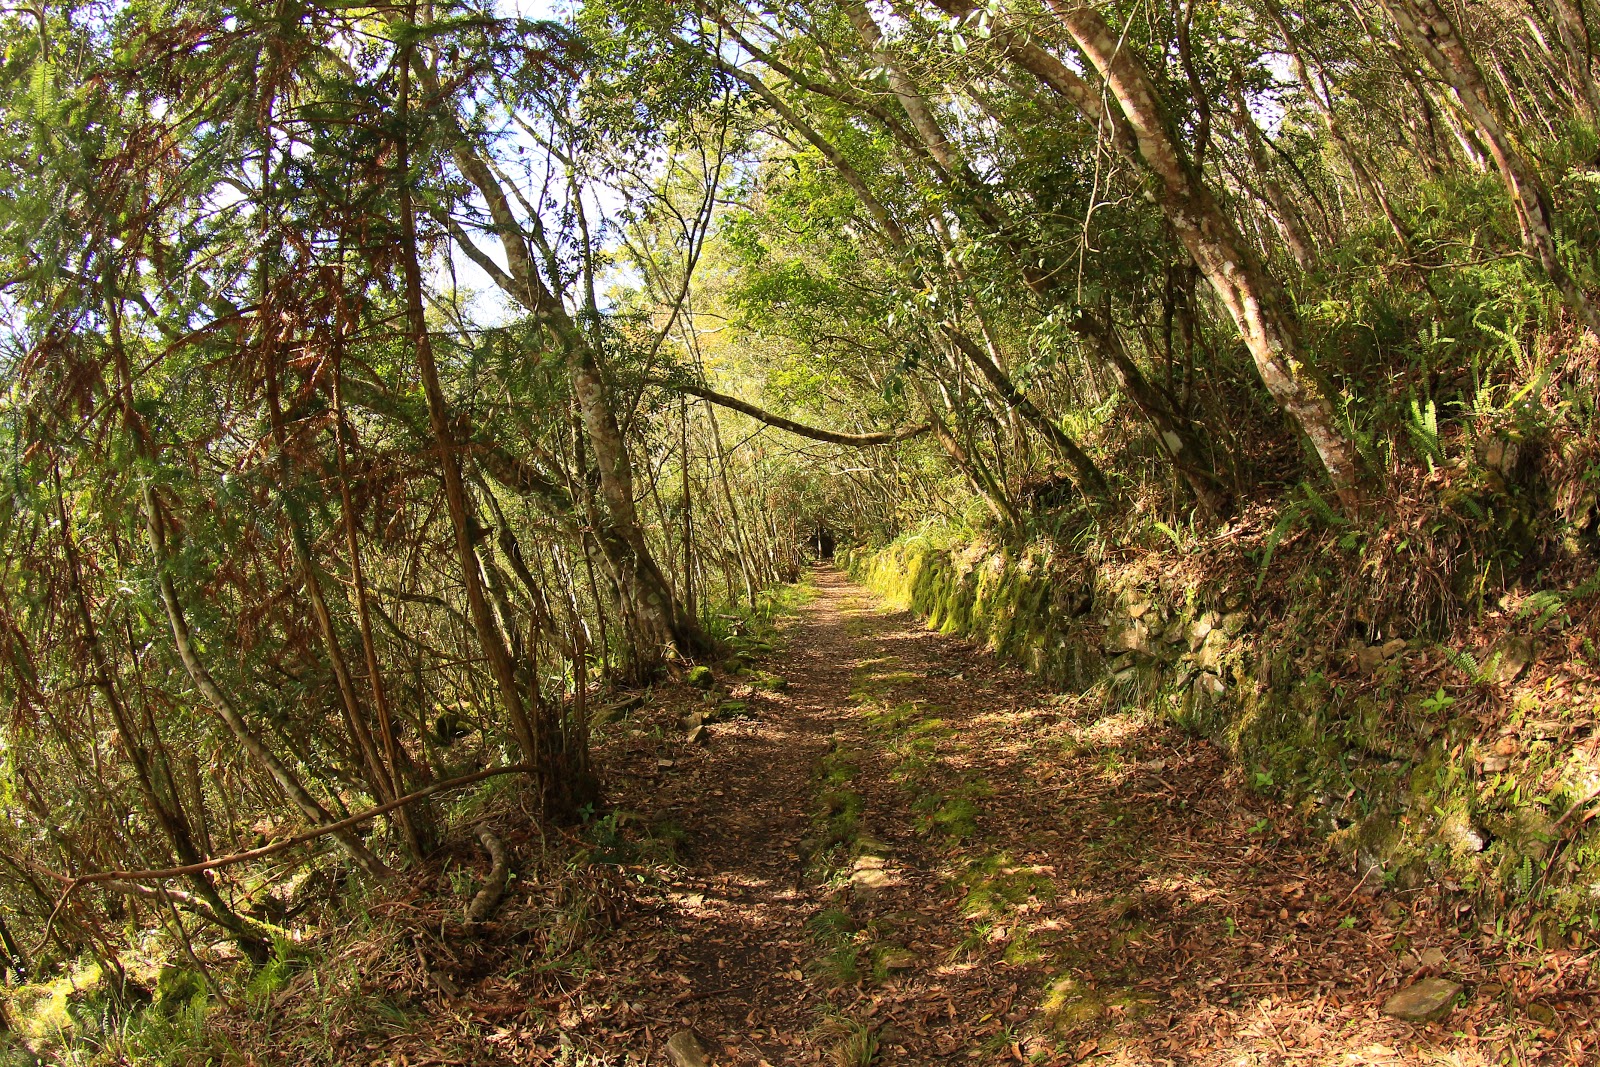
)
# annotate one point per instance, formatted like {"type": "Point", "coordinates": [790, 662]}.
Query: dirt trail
{"type": "Point", "coordinates": [917, 855]}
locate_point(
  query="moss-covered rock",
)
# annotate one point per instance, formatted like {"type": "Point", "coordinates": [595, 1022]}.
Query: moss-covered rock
{"type": "Point", "coordinates": [1383, 767]}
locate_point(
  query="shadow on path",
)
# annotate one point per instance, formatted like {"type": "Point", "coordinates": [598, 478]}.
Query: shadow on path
{"type": "Point", "coordinates": [916, 854]}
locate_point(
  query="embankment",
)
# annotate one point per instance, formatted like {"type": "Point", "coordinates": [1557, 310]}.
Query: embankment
{"type": "Point", "coordinates": [1422, 761]}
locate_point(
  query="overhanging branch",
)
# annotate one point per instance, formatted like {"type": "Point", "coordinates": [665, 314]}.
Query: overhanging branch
{"type": "Point", "coordinates": [851, 440]}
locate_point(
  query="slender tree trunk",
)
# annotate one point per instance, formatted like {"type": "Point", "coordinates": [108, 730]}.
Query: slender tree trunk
{"type": "Point", "coordinates": [166, 810]}
{"type": "Point", "coordinates": [653, 616]}
{"type": "Point", "coordinates": [1252, 298]}
{"type": "Point", "coordinates": [1572, 30]}
{"type": "Point", "coordinates": [489, 637]}
{"type": "Point", "coordinates": [224, 707]}
{"type": "Point", "coordinates": [1291, 223]}
{"type": "Point", "coordinates": [993, 495]}
{"type": "Point", "coordinates": [1176, 434]}
{"type": "Point", "coordinates": [417, 819]}
{"type": "Point", "coordinates": [688, 501]}
{"type": "Point", "coordinates": [1427, 26]}
{"type": "Point", "coordinates": [155, 527]}
{"type": "Point", "coordinates": [354, 714]}
{"type": "Point", "coordinates": [16, 961]}
{"type": "Point", "coordinates": [1087, 474]}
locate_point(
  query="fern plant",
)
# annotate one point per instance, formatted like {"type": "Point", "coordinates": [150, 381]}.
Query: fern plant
{"type": "Point", "coordinates": [1424, 429]}
{"type": "Point", "coordinates": [1477, 673]}
{"type": "Point", "coordinates": [1543, 607]}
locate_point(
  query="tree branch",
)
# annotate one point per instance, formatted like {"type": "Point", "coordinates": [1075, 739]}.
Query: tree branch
{"type": "Point", "coordinates": [851, 440]}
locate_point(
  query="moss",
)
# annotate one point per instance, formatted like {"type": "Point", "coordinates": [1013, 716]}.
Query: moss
{"type": "Point", "coordinates": [1071, 1006]}
{"type": "Point", "coordinates": [993, 885]}
{"type": "Point", "coordinates": [1382, 770]}
{"type": "Point", "coordinates": [700, 677]}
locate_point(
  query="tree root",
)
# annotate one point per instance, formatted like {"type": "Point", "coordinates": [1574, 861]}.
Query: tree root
{"type": "Point", "coordinates": [487, 898]}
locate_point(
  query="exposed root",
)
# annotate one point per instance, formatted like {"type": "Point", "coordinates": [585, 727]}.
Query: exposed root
{"type": "Point", "coordinates": [488, 898]}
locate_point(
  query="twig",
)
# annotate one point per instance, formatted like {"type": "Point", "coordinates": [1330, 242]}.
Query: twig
{"type": "Point", "coordinates": [1272, 1028]}
{"type": "Point", "coordinates": [74, 882]}
{"type": "Point", "coordinates": [288, 843]}
{"type": "Point", "coordinates": [1593, 793]}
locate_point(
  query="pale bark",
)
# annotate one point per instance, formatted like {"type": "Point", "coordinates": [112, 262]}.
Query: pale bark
{"type": "Point", "coordinates": [1175, 433]}
{"type": "Point", "coordinates": [1429, 28]}
{"type": "Point", "coordinates": [655, 619]}
{"type": "Point", "coordinates": [1251, 297]}
{"type": "Point", "coordinates": [1086, 473]}
{"type": "Point", "coordinates": [489, 636]}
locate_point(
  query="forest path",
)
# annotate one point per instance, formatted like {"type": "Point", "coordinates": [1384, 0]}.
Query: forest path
{"type": "Point", "coordinates": [916, 854]}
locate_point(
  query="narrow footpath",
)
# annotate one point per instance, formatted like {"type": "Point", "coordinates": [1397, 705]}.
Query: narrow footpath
{"type": "Point", "coordinates": [913, 854]}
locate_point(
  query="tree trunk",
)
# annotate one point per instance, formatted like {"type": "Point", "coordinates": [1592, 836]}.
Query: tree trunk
{"type": "Point", "coordinates": [1426, 25]}
{"type": "Point", "coordinates": [1091, 482]}
{"type": "Point", "coordinates": [489, 636]}
{"type": "Point", "coordinates": [224, 707]}
{"type": "Point", "coordinates": [1291, 223]}
{"type": "Point", "coordinates": [652, 613]}
{"type": "Point", "coordinates": [1572, 28]}
{"type": "Point", "coordinates": [418, 822]}
{"type": "Point", "coordinates": [166, 810]}
{"type": "Point", "coordinates": [1175, 433]}
{"type": "Point", "coordinates": [378, 775]}
{"type": "Point", "coordinates": [1250, 295]}
{"type": "Point", "coordinates": [994, 496]}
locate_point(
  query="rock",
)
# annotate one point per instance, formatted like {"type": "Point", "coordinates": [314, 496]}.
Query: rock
{"type": "Point", "coordinates": [1393, 648]}
{"type": "Point", "coordinates": [1199, 629]}
{"type": "Point", "coordinates": [1456, 831]}
{"type": "Point", "coordinates": [869, 877]}
{"type": "Point", "coordinates": [1211, 650]}
{"type": "Point", "coordinates": [895, 958]}
{"type": "Point", "coordinates": [1369, 660]}
{"type": "Point", "coordinates": [617, 709]}
{"type": "Point", "coordinates": [1529, 833]}
{"type": "Point", "coordinates": [1494, 764]}
{"type": "Point", "coordinates": [869, 882]}
{"type": "Point", "coordinates": [685, 1050]}
{"type": "Point", "coordinates": [1137, 608]}
{"type": "Point", "coordinates": [1233, 623]}
{"type": "Point", "coordinates": [867, 845]}
{"type": "Point", "coordinates": [1500, 454]}
{"type": "Point", "coordinates": [1133, 638]}
{"type": "Point", "coordinates": [1515, 655]}
{"type": "Point", "coordinates": [1429, 999]}
{"type": "Point", "coordinates": [701, 678]}
{"type": "Point", "coordinates": [696, 736]}
{"type": "Point", "coordinates": [729, 709]}
{"type": "Point", "coordinates": [1210, 684]}
{"type": "Point", "coordinates": [693, 719]}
